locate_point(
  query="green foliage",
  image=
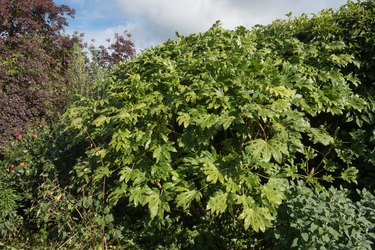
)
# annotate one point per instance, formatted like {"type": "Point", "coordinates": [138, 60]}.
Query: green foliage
{"type": "Point", "coordinates": [343, 39]}
{"type": "Point", "coordinates": [25, 170]}
{"type": "Point", "coordinates": [194, 144]}
{"type": "Point", "coordinates": [325, 220]}
{"type": "Point", "coordinates": [39, 209]}
{"type": "Point", "coordinates": [77, 75]}
{"type": "Point", "coordinates": [10, 221]}
{"type": "Point", "coordinates": [216, 123]}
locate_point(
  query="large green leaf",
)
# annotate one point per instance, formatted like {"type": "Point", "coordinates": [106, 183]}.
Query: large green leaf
{"type": "Point", "coordinates": [212, 172]}
{"type": "Point", "coordinates": [264, 150]}
{"type": "Point", "coordinates": [258, 218]}
{"type": "Point", "coordinates": [217, 204]}
{"type": "Point", "coordinates": [320, 136]}
{"type": "Point", "coordinates": [185, 198]}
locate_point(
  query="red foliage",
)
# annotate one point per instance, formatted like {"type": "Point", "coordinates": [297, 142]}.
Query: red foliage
{"type": "Point", "coordinates": [33, 56]}
{"type": "Point", "coordinates": [122, 48]}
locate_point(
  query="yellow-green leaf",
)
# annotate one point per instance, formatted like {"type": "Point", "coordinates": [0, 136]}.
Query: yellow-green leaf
{"type": "Point", "coordinates": [218, 203]}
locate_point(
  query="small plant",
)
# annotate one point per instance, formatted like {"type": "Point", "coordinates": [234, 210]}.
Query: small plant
{"type": "Point", "coordinates": [10, 221]}
{"type": "Point", "coordinates": [24, 168]}
{"type": "Point", "coordinates": [310, 219]}
{"type": "Point", "coordinates": [37, 208]}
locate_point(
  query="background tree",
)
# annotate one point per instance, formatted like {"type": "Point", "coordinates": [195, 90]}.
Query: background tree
{"type": "Point", "coordinates": [33, 56]}
{"type": "Point", "coordinates": [41, 67]}
{"type": "Point", "coordinates": [121, 48]}
{"type": "Point", "coordinates": [89, 63]}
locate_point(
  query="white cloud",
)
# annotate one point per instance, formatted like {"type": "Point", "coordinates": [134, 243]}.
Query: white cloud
{"type": "Point", "coordinates": [154, 21]}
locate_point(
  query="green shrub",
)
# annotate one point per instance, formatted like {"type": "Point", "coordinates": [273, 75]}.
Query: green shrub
{"type": "Point", "coordinates": [310, 219]}
{"type": "Point", "coordinates": [26, 168]}
{"type": "Point", "coordinates": [39, 209]}
{"type": "Point", "coordinates": [214, 124]}
{"type": "Point", "coordinates": [10, 222]}
{"type": "Point", "coordinates": [346, 38]}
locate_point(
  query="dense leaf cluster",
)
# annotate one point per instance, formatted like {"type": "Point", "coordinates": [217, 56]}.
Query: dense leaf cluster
{"type": "Point", "coordinates": [346, 38]}
{"type": "Point", "coordinates": [325, 220]}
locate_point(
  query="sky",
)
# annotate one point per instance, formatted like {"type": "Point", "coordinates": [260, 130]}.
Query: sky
{"type": "Point", "coordinates": [151, 22]}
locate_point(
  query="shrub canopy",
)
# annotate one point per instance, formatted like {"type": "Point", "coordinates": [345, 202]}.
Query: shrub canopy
{"type": "Point", "coordinates": [215, 124]}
